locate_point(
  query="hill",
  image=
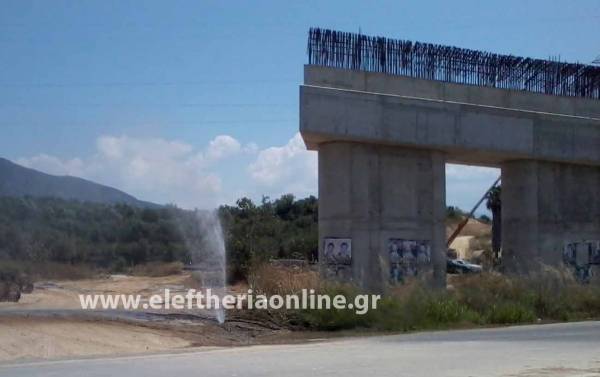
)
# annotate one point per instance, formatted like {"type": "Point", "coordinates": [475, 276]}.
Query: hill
{"type": "Point", "coordinates": [19, 181]}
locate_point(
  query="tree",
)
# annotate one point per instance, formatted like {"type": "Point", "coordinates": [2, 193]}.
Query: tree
{"type": "Point", "coordinates": [485, 219]}
{"type": "Point", "coordinates": [284, 207]}
{"type": "Point", "coordinates": [494, 204]}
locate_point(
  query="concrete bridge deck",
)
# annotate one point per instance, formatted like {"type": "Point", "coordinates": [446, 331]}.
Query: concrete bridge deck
{"type": "Point", "coordinates": [383, 142]}
{"type": "Point", "coordinates": [363, 107]}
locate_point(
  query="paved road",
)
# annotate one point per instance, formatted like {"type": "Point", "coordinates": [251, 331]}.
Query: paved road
{"type": "Point", "coordinates": [548, 350]}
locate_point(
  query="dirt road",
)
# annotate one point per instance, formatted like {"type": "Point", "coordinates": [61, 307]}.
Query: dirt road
{"type": "Point", "coordinates": [49, 323]}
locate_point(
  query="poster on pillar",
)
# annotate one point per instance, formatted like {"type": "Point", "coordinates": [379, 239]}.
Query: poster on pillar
{"type": "Point", "coordinates": [582, 253]}
{"type": "Point", "coordinates": [595, 255]}
{"type": "Point", "coordinates": [408, 258]}
{"type": "Point", "coordinates": [338, 251]}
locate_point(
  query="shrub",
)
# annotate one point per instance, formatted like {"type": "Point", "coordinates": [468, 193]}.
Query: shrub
{"type": "Point", "coordinates": [445, 310]}
{"type": "Point", "coordinates": [13, 281]}
{"type": "Point", "coordinates": [335, 319]}
{"type": "Point", "coordinates": [509, 313]}
{"type": "Point", "coordinates": [266, 278]}
{"type": "Point", "coordinates": [487, 298]}
{"type": "Point", "coordinates": [419, 308]}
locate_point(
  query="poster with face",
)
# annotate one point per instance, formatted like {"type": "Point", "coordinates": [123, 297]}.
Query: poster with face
{"type": "Point", "coordinates": [594, 251]}
{"type": "Point", "coordinates": [408, 258]}
{"type": "Point", "coordinates": [569, 253]}
{"type": "Point", "coordinates": [581, 253]}
{"type": "Point", "coordinates": [338, 251]}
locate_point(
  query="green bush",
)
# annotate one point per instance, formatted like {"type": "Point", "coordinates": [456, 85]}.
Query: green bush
{"type": "Point", "coordinates": [487, 299]}
{"type": "Point", "coordinates": [445, 310]}
{"type": "Point", "coordinates": [335, 319]}
{"type": "Point", "coordinates": [13, 281]}
{"type": "Point", "coordinates": [510, 313]}
{"type": "Point", "coordinates": [419, 310]}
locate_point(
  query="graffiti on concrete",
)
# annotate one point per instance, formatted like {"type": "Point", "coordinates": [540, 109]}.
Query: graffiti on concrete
{"type": "Point", "coordinates": [595, 255]}
{"type": "Point", "coordinates": [581, 252]}
{"type": "Point", "coordinates": [581, 256]}
{"type": "Point", "coordinates": [408, 258]}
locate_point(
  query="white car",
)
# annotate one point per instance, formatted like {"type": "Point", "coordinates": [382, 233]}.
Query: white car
{"type": "Point", "coordinates": [459, 266]}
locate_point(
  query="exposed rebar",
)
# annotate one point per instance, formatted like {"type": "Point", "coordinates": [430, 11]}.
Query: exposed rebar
{"type": "Point", "coordinates": [451, 64]}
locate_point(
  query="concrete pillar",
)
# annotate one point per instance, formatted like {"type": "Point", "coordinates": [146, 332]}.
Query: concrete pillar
{"type": "Point", "coordinates": [544, 206]}
{"type": "Point", "coordinates": [372, 193]}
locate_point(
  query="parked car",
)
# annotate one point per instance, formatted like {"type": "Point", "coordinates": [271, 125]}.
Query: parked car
{"type": "Point", "coordinates": [459, 266]}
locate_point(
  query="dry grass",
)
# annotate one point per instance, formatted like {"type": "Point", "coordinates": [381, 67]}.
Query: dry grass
{"type": "Point", "coordinates": [279, 280]}
{"type": "Point", "coordinates": [549, 294]}
{"type": "Point", "coordinates": [157, 269]}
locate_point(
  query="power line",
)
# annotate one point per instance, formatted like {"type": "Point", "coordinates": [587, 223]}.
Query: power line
{"type": "Point", "coordinates": [149, 83]}
{"type": "Point", "coordinates": [167, 123]}
{"type": "Point", "coordinates": [220, 105]}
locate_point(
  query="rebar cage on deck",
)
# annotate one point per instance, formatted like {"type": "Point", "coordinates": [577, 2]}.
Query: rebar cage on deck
{"type": "Point", "coordinates": [451, 64]}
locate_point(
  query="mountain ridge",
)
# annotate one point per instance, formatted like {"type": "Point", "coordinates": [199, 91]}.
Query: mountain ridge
{"type": "Point", "coordinates": [20, 181]}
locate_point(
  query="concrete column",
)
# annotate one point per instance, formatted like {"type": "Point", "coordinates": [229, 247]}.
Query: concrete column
{"type": "Point", "coordinates": [519, 213]}
{"type": "Point", "coordinates": [438, 187]}
{"type": "Point", "coordinates": [371, 193]}
{"type": "Point", "coordinates": [545, 205]}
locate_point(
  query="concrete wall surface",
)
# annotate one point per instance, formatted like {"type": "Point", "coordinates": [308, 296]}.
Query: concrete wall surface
{"type": "Point", "coordinates": [372, 194]}
{"type": "Point", "coordinates": [544, 206]}
{"type": "Point", "coordinates": [467, 133]}
{"type": "Point", "coordinates": [407, 86]}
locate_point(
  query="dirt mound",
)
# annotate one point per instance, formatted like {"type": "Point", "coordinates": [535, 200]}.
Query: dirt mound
{"type": "Point", "coordinates": [473, 228]}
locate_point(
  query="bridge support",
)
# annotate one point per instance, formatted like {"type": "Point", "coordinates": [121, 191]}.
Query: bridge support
{"type": "Point", "coordinates": [375, 196]}
{"type": "Point", "coordinates": [545, 206]}
{"type": "Point", "coordinates": [383, 141]}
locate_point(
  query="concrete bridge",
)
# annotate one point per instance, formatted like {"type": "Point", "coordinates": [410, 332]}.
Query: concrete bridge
{"type": "Point", "coordinates": [384, 139]}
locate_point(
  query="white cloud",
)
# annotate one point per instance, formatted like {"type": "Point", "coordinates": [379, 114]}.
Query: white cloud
{"type": "Point", "coordinates": [286, 169]}
{"type": "Point", "coordinates": [155, 166]}
{"type": "Point", "coordinates": [468, 172]}
{"type": "Point", "coordinates": [167, 171]}
{"type": "Point", "coordinates": [154, 169]}
{"type": "Point", "coordinates": [53, 165]}
{"type": "Point", "coordinates": [250, 148]}
{"type": "Point", "coordinates": [292, 169]}
{"type": "Point", "coordinates": [222, 146]}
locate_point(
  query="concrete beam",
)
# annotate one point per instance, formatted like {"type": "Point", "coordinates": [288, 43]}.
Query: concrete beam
{"type": "Point", "coordinates": [382, 83]}
{"type": "Point", "coordinates": [466, 133]}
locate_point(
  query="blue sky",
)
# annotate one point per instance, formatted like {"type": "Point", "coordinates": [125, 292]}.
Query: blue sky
{"type": "Point", "coordinates": [196, 102]}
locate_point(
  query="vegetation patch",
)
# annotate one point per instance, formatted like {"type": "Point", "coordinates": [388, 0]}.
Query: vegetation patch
{"type": "Point", "coordinates": [478, 300]}
{"type": "Point", "coordinates": [13, 281]}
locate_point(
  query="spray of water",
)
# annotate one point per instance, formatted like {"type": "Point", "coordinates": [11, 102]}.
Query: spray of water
{"type": "Point", "coordinates": [208, 256]}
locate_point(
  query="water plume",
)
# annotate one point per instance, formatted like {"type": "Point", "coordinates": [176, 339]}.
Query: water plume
{"type": "Point", "coordinates": [208, 256]}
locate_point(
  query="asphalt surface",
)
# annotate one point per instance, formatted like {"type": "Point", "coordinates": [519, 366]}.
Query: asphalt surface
{"type": "Point", "coordinates": [540, 350]}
